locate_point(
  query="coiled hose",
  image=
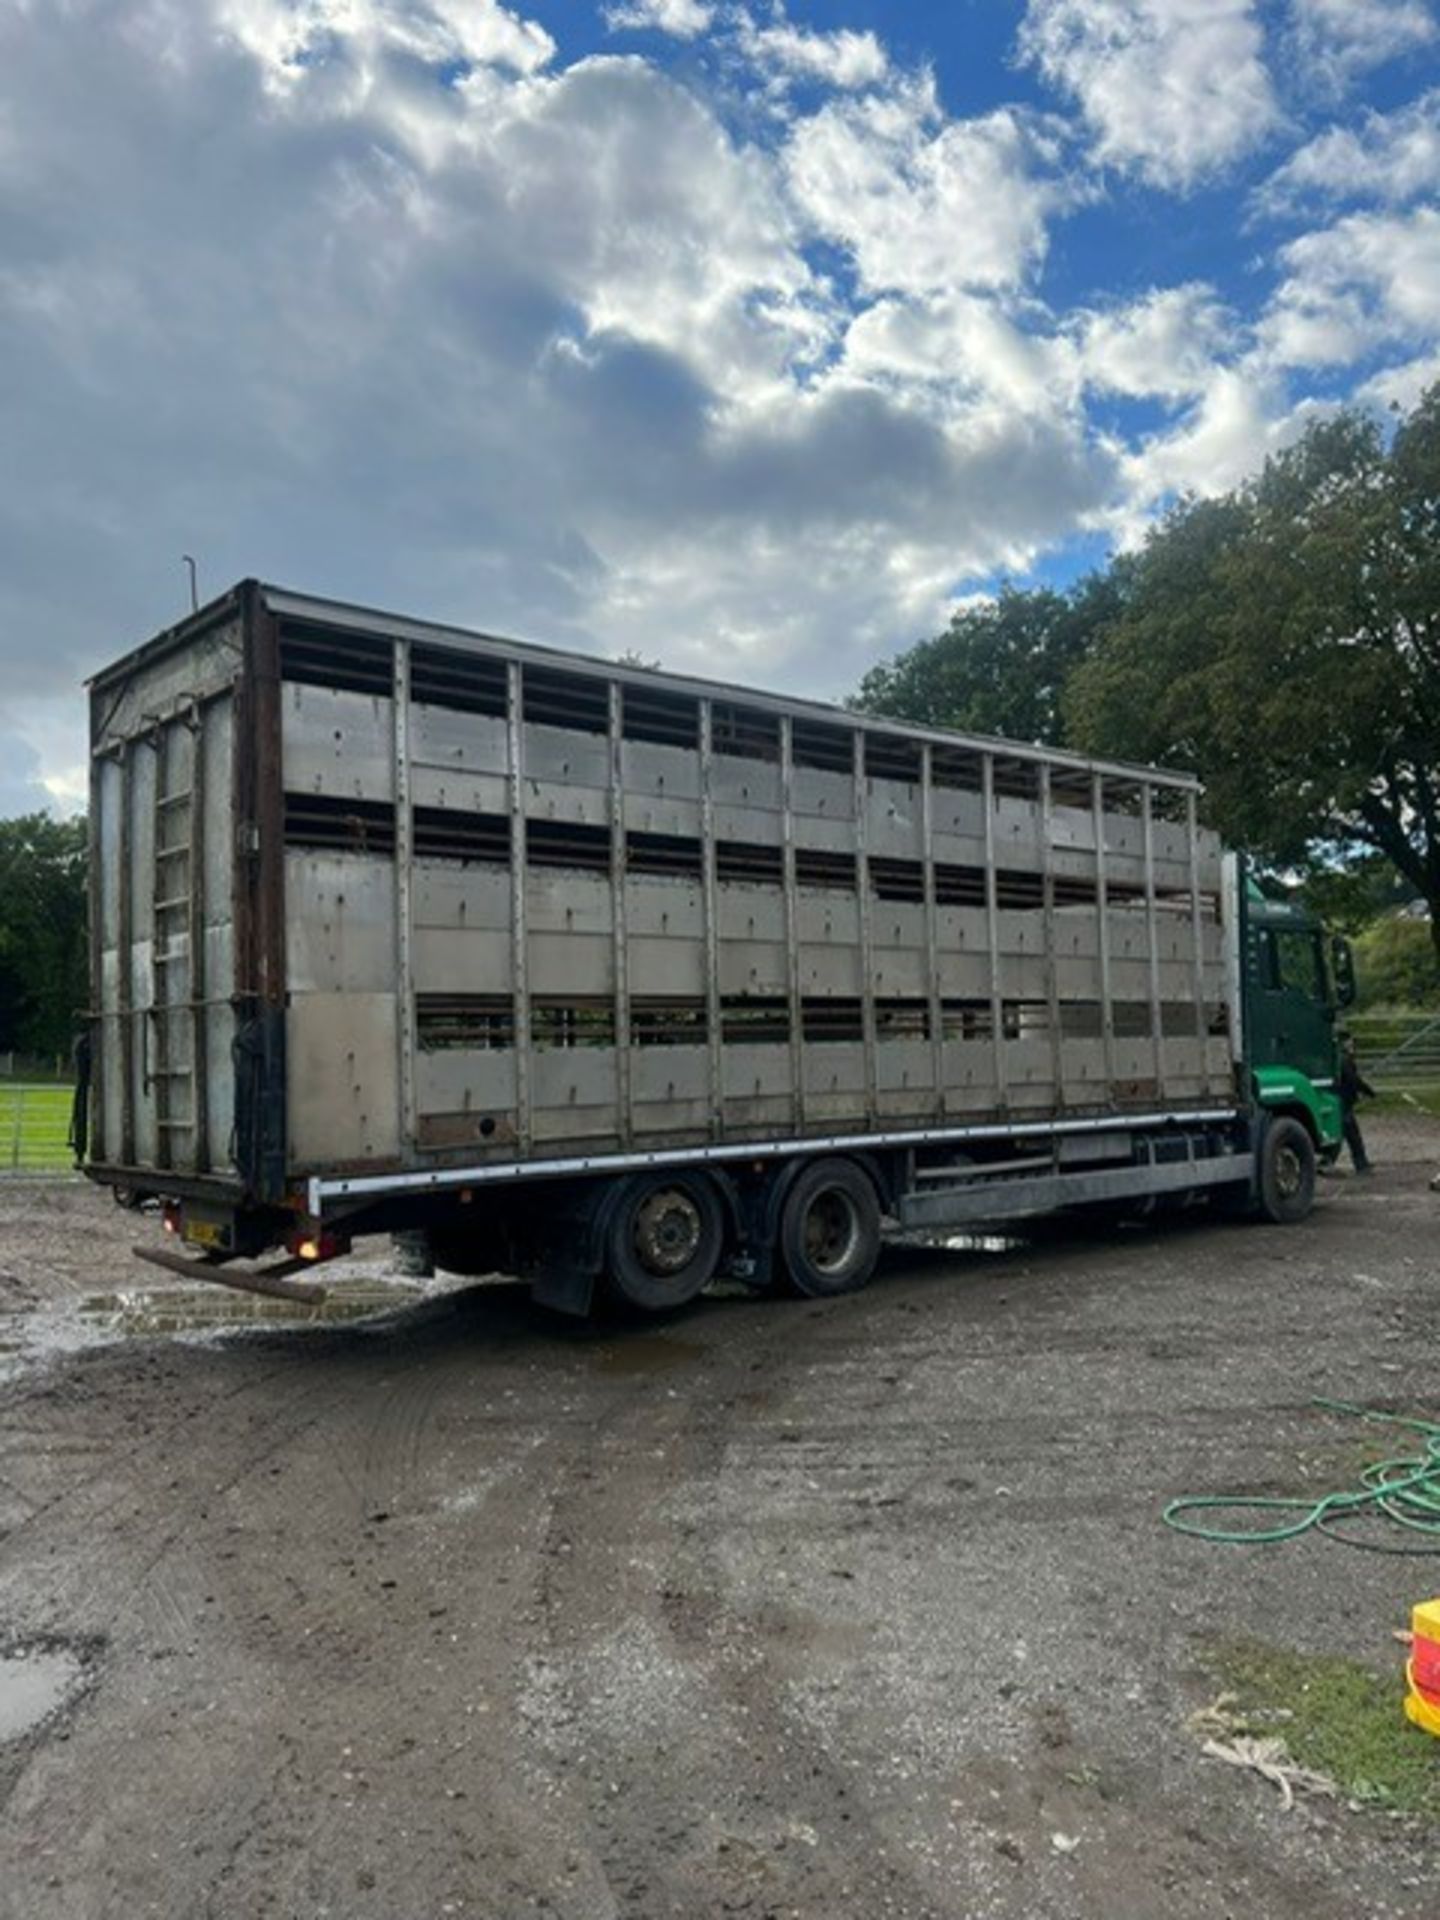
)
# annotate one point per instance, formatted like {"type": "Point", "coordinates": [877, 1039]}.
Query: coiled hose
{"type": "Point", "coordinates": [1405, 1492]}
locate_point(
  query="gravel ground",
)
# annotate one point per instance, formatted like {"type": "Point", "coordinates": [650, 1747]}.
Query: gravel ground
{"type": "Point", "coordinates": [860, 1608]}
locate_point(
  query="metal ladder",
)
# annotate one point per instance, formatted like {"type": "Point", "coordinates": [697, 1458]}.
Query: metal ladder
{"type": "Point", "coordinates": [175, 1071]}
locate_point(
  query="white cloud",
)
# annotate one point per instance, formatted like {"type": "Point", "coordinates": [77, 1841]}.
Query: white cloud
{"type": "Point", "coordinates": [1242, 416]}
{"type": "Point", "coordinates": [1174, 90]}
{"type": "Point", "coordinates": [682, 18]}
{"type": "Point", "coordinates": [1369, 280]}
{"type": "Point", "coordinates": [921, 203]}
{"type": "Point", "coordinates": [1163, 346]}
{"type": "Point", "coordinates": [1337, 40]}
{"type": "Point", "coordinates": [291, 40]}
{"type": "Point", "coordinates": [1387, 157]}
{"type": "Point", "coordinates": [843, 59]}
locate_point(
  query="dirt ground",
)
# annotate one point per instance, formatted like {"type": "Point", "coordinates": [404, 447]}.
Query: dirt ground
{"type": "Point", "coordinates": [861, 1608]}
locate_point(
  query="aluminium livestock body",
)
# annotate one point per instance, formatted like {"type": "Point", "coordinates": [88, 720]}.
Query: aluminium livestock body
{"type": "Point", "coordinates": [597, 972]}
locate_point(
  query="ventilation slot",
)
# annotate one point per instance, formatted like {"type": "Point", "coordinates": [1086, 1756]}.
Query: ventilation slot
{"type": "Point", "coordinates": [475, 1022]}
{"type": "Point", "coordinates": [959, 886]}
{"type": "Point", "coordinates": [835, 871]}
{"type": "Point", "coordinates": [1071, 892]}
{"type": "Point", "coordinates": [572, 1023]}
{"type": "Point", "coordinates": [347, 662]}
{"type": "Point", "coordinates": [1026, 1019]}
{"type": "Point", "coordinates": [567, 843]}
{"type": "Point", "coordinates": [966, 1020]}
{"type": "Point", "coordinates": [340, 826]}
{"type": "Point", "coordinates": [1019, 892]}
{"type": "Point", "coordinates": [754, 1022]}
{"type": "Point", "coordinates": [670, 853]}
{"type": "Point", "coordinates": [890, 756]}
{"type": "Point", "coordinates": [469, 682]}
{"type": "Point", "coordinates": [664, 719]}
{"type": "Point", "coordinates": [441, 834]}
{"type": "Point", "coordinates": [1130, 1019]}
{"type": "Point", "coordinates": [567, 700]}
{"type": "Point", "coordinates": [902, 1020]}
{"type": "Point", "coordinates": [897, 879]}
{"type": "Point", "coordinates": [744, 732]}
{"type": "Point", "coordinates": [828, 749]}
{"type": "Point", "coordinates": [834, 1020]}
{"type": "Point", "coordinates": [741, 860]}
{"type": "Point", "coordinates": [1015, 779]}
{"type": "Point", "coordinates": [1070, 787]}
{"type": "Point", "coordinates": [957, 767]}
{"type": "Point", "coordinates": [667, 1021]}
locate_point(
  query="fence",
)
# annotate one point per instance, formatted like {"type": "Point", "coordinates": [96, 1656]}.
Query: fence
{"type": "Point", "coordinates": [46, 1067]}
{"type": "Point", "coordinates": [35, 1127]}
{"type": "Point", "coordinates": [1398, 1051]}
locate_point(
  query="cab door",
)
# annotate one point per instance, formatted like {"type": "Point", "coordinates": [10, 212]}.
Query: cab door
{"type": "Point", "coordinates": [1292, 1014]}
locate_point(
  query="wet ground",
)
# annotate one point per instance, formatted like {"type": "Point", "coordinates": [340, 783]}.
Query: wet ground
{"type": "Point", "coordinates": [858, 1608]}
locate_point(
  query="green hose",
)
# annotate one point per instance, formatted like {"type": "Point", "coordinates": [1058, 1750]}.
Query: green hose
{"type": "Point", "coordinates": [1405, 1492]}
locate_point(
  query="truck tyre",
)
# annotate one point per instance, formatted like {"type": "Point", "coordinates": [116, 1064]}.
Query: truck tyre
{"type": "Point", "coordinates": [664, 1240]}
{"type": "Point", "coordinates": [1286, 1174]}
{"type": "Point", "coordinates": [830, 1229]}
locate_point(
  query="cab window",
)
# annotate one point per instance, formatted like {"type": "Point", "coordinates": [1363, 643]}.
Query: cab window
{"type": "Point", "coordinates": [1295, 964]}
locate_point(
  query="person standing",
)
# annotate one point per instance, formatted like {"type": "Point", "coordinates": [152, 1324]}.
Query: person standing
{"type": "Point", "coordinates": [1351, 1087]}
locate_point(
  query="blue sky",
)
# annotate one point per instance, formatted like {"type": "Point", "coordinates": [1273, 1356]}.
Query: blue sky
{"type": "Point", "coordinates": [754, 337]}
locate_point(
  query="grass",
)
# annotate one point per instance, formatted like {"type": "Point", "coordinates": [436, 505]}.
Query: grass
{"type": "Point", "coordinates": [1422, 1097]}
{"type": "Point", "coordinates": [34, 1127]}
{"type": "Point", "coordinates": [1337, 1717]}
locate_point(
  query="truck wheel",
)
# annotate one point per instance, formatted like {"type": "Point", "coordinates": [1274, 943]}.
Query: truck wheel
{"type": "Point", "coordinates": [664, 1240]}
{"type": "Point", "coordinates": [830, 1229]}
{"type": "Point", "coordinates": [1287, 1171]}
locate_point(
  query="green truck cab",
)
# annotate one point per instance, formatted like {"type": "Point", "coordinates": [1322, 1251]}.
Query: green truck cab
{"type": "Point", "coordinates": [1294, 983]}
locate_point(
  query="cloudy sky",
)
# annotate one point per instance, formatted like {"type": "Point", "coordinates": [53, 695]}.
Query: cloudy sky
{"type": "Point", "coordinates": [748, 336]}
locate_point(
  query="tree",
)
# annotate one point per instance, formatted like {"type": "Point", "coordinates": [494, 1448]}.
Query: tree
{"type": "Point", "coordinates": [1395, 964]}
{"type": "Point", "coordinates": [43, 964]}
{"type": "Point", "coordinates": [998, 668]}
{"type": "Point", "coordinates": [1285, 642]}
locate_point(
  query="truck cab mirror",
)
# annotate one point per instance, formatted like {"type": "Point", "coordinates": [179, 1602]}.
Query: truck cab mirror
{"type": "Point", "coordinates": [1342, 966]}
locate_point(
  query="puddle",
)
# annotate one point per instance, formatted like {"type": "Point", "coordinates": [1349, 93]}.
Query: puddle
{"type": "Point", "coordinates": [647, 1353]}
{"type": "Point", "coordinates": [203, 1309]}
{"type": "Point", "coordinates": [32, 1687]}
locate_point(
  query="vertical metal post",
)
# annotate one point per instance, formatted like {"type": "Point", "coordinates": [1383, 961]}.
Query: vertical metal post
{"type": "Point", "coordinates": [199, 970]}
{"type": "Point", "coordinates": [1152, 935]}
{"type": "Point", "coordinates": [992, 934]}
{"type": "Point", "coordinates": [792, 923]}
{"type": "Point", "coordinates": [1102, 908]}
{"type": "Point", "coordinates": [712, 926]}
{"type": "Point", "coordinates": [97, 1141]}
{"type": "Point", "coordinates": [932, 930]}
{"type": "Point", "coordinates": [621, 967]}
{"type": "Point", "coordinates": [1197, 934]}
{"type": "Point", "coordinates": [1052, 977]}
{"type": "Point", "coordinates": [519, 941]}
{"type": "Point", "coordinates": [405, 1020]}
{"type": "Point", "coordinates": [124, 952]}
{"type": "Point", "coordinates": [863, 892]}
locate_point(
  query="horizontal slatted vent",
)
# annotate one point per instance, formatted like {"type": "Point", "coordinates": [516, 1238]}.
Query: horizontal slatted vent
{"type": "Point", "coordinates": [567, 843]}
{"type": "Point", "coordinates": [480, 1022]}
{"type": "Point", "coordinates": [444, 834]}
{"type": "Point", "coordinates": [897, 879]}
{"type": "Point", "coordinates": [746, 733]}
{"type": "Point", "coordinates": [959, 886]}
{"type": "Point", "coordinates": [327, 657]}
{"type": "Point", "coordinates": [829, 749]}
{"type": "Point", "coordinates": [753, 1020]}
{"type": "Point", "coordinates": [966, 1019]}
{"type": "Point", "coordinates": [673, 853]}
{"type": "Point", "coordinates": [957, 767]}
{"type": "Point", "coordinates": [667, 1021]}
{"type": "Point", "coordinates": [902, 1019]}
{"type": "Point", "coordinates": [339, 825]}
{"type": "Point", "coordinates": [1017, 891]}
{"type": "Point", "coordinates": [817, 868]}
{"type": "Point", "coordinates": [891, 756]}
{"type": "Point", "coordinates": [663, 719]}
{"type": "Point", "coordinates": [468, 682]}
{"type": "Point", "coordinates": [743, 860]}
{"type": "Point", "coordinates": [831, 1019]}
{"type": "Point", "coordinates": [575, 700]}
{"type": "Point", "coordinates": [586, 1021]}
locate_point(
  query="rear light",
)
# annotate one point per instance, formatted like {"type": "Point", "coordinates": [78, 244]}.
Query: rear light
{"type": "Point", "coordinates": [171, 1217]}
{"type": "Point", "coordinates": [317, 1244]}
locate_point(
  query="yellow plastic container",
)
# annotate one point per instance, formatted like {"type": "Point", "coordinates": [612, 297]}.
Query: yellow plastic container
{"type": "Point", "coordinates": [1422, 1670]}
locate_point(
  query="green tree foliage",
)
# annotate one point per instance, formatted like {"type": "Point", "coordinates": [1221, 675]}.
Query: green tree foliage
{"type": "Point", "coordinates": [1001, 667]}
{"type": "Point", "coordinates": [1285, 641]}
{"type": "Point", "coordinates": [43, 966]}
{"type": "Point", "coordinates": [1395, 964]}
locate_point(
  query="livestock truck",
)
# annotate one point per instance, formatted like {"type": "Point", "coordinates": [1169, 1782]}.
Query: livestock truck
{"type": "Point", "coordinates": [621, 979]}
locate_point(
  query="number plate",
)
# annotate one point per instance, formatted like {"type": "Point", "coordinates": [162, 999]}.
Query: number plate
{"type": "Point", "coordinates": [205, 1233]}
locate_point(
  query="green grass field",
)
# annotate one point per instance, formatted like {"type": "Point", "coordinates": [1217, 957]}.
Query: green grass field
{"type": "Point", "coordinates": [34, 1127]}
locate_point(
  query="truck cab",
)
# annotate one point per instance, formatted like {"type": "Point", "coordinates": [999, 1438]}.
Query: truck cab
{"type": "Point", "coordinates": [1294, 984]}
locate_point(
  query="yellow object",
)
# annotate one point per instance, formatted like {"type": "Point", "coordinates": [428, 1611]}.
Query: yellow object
{"type": "Point", "coordinates": [1425, 1620]}
{"type": "Point", "coordinates": [1418, 1708]}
